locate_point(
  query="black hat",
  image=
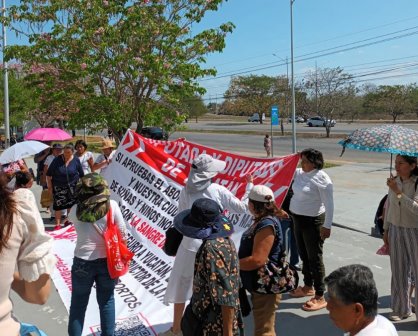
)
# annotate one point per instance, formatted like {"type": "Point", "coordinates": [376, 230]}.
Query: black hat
{"type": "Point", "coordinates": [203, 221]}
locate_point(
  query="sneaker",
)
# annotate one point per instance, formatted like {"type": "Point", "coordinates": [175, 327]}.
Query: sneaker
{"type": "Point", "coordinates": [68, 223]}
{"type": "Point", "coordinates": [57, 227]}
{"type": "Point", "coordinates": [396, 318]}
{"type": "Point", "coordinates": [170, 332]}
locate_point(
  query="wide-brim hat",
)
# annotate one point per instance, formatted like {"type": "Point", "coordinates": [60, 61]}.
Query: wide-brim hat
{"type": "Point", "coordinates": [205, 167]}
{"type": "Point", "coordinates": [107, 144]}
{"type": "Point", "coordinates": [206, 163]}
{"type": "Point", "coordinates": [203, 221]}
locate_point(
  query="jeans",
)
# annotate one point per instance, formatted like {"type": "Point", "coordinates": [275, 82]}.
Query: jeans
{"type": "Point", "coordinates": [310, 246]}
{"type": "Point", "coordinates": [83, 275]}
{"type": "Point", "coordinates": [290, 241]}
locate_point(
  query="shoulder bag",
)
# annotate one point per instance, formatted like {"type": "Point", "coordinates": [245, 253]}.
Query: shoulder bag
{"type": "Point", "coordinates": [276, 277]}
{"type": "Point", "coordinates": [117, 253]}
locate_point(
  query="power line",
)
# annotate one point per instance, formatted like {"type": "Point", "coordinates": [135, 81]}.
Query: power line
{"type": "Point", "coordinates": [321, 53]}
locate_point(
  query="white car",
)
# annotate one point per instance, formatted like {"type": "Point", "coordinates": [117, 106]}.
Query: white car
{"type": "Point", "coordinates": [319, 122]}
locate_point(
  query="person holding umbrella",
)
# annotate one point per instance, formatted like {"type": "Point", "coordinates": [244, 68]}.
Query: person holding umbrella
{"type": "Point", "coordinates": [401, 233]}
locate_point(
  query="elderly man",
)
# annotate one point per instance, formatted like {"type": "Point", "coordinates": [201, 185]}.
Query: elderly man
{"type": "Point", "coordinates": [352, 302]}
{"type": "Point", "coordinates": [214, 307]}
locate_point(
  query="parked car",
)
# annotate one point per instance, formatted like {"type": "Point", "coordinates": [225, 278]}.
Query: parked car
{"type": "Point", "coordinates": [320, 122]}
{"type": "Point", "coordinates": [298, 119]}
{"type": "Point", "coordinates": [254, 118]}
{"type": "Point", "coordinates": [154, 132]}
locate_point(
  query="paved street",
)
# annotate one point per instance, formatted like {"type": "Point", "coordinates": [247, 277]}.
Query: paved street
{"type": "Point", "coordinates": [358, 189]}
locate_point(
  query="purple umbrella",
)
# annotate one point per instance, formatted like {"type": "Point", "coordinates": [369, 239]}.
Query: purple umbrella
{"type": "Point", "coordinates": [47, 134]}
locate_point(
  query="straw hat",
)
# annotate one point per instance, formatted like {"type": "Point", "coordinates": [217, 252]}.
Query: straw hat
{"type": "Point", "coordinates": [107, 144]}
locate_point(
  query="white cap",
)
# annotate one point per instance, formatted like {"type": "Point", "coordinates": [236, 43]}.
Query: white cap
{"type": "Point", "coordinates": [206, 163]}
{"type": "Point", "coordinates": [261, 193]}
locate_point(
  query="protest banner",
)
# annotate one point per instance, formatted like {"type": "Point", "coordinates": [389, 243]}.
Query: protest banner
{"type": "Point", "coordinates": [145, 178]}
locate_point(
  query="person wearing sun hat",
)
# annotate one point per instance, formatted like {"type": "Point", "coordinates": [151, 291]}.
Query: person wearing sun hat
{"type": "Point", "coordinates": [216, 282]}
{"type": "Point", "coordinates": [199, 185]}
{"type": "Point", "coordinates": [261, 243]}
{"type": "Point", "coordinates": [104, 159]}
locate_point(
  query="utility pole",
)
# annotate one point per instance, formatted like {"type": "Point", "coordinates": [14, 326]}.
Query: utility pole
{"type": "Point", "coordinates": [293, 80]}
{"type": "Point", "coordinates": [316, 89]}
{"type": "Point", "coordinates": [6, 81]}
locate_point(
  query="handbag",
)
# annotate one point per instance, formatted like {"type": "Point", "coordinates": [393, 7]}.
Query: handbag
{"type": "Point", "coordinates": [190, 324]}
{"type": "Point", "coordinates": [117, 253]}
{"type": "Point", "coordinates": [172, 242]}
{"type": "Point", "coordinates": [46, 198]}
{"type": "Point", "coordinates": [276, 278]}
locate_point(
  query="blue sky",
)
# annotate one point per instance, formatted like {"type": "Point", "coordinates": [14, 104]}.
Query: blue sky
{"type": "Point", "coordinates": [263, 29]}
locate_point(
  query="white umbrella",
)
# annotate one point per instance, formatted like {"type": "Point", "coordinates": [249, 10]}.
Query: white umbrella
{"type": "Point", "coordinates": [22, 150]}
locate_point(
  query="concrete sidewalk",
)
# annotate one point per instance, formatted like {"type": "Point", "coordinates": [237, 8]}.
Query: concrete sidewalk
{"type": "Point", "coordinates": [358, 189]}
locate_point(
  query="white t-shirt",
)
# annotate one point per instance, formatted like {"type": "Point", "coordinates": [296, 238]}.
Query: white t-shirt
{"type": "Point", "coordinates": [49, 160]}
{"type": "Point", "coordinates": [102, 158]}
{"type": "Point", "coordinates": [90, 244]}
{"type": "Point", "coordinates": [381, 326]}
{"type": "Point", "coordinates": [220, 195]}
{"type": "Point", "coordinates": [313, 195]}
{"type": "Point", "coordinates": [84, 160]}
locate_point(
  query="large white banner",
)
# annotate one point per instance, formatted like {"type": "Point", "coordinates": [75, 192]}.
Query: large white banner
{"type": "Point", "coordinates": [146, 177]}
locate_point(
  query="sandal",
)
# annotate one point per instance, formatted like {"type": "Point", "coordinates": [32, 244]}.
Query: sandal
{"type": "Point", "coordinates": [314, 304]}
{"type": "Point", "coordinates": [301, 292]}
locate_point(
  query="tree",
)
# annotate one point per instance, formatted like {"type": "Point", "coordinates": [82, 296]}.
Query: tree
{"type": "Point", "coordinates": [117, 62]}
{"type": "Point", "coordinates": [20, 96]}
{"type": "Point", "coordinates": [327, 88]}
{"type": "Point", "coordinates": [393, 100]}
{"type": "Point", "coordinates": [255, 94]}
{"type": "Point", "coordinates": [193, 107]}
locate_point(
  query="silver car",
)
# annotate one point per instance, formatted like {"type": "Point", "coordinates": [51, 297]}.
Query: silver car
{"type": "Point", "coordinates": [320, 122]}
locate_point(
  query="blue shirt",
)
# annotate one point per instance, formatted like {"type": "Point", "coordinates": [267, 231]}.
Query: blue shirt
{"type": "Point", "coordinates": [247, 243]}
{"type": "Point", "coordinates": [62, 175]}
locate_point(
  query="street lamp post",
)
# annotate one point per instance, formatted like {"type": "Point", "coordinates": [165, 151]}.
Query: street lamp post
{"type": "Point", "coordinates": [6, 81]}
{"type": "Point", "coordinates": [287, 90]}
{"type": "Point", "coordinates": [293, 80]}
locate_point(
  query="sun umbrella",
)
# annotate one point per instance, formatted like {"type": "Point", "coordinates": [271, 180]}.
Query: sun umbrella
{"type": "Point", "coordinates": [392, 139]}
{"type": "Point", "coordinates": [21, 150]}
{"type": "Point", "coordinates": [47, 134]}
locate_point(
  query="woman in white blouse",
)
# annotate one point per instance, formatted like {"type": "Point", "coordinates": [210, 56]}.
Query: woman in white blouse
{"type": "Point", "coordinates": [26, 258]}
{"type": "Point", "coordinates": [312, 209]}
{"type": "Point", "coordinates": [85, 157]}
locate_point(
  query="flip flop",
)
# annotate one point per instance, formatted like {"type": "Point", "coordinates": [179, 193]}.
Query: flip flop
{"type": "Point", "coordinates": [314, 304]}
{"type": "Point", "coordinates": [300, 292]}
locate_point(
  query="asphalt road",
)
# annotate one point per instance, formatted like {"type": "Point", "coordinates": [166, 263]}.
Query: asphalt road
{"type": "Point", "coordinates": [252, 145]}
{"type": "Point", "coordinates": [227, 125]}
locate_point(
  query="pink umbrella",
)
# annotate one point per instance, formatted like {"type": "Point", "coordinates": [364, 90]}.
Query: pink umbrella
{"type": "Point", "coordinates": [47, 134]}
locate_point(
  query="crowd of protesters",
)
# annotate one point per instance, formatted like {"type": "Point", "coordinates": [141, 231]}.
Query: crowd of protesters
{"type": "Point", "coordinates": [208, 269]}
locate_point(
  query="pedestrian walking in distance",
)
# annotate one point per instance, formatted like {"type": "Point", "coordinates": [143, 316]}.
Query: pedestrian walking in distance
{"type": "Point", "coordinates": [267, 145]}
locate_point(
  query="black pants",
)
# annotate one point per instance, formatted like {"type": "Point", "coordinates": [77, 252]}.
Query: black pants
{"type": "Point", "coordinates": [310, 246]}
